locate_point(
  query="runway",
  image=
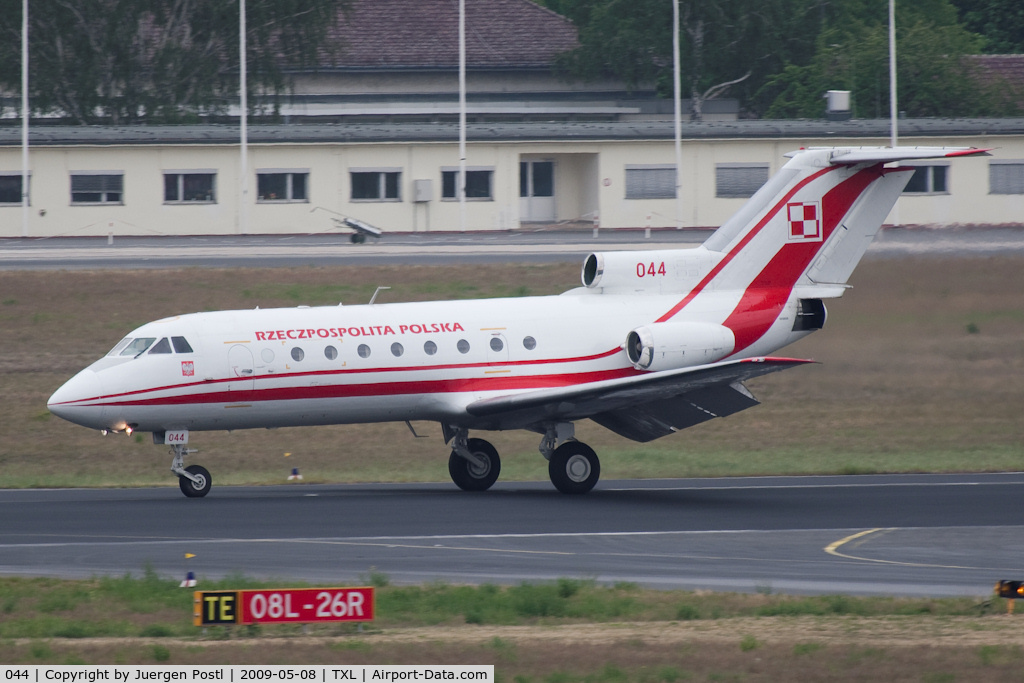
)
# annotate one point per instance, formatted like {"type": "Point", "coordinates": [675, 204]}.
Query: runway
{"type": "Point", "coordinates": [915, 535]}
{"type": "Point", "coordinates": [275, 251]}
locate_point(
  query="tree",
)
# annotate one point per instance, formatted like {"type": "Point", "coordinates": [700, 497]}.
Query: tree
{"type": "Point", "coordinates": [933, 76]}
{"type": "Point", "coordinates": [123, 61]}
{"type": "Point", "coordinates": [725, 45]}
{"type": "Point", "coordinates": [1000, 22]}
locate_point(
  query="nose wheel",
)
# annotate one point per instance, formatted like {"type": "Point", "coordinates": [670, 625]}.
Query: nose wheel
{"type": "Point", "coordinates": [197, 484]}
{"type": "Point", "coordinates": [195, 480]}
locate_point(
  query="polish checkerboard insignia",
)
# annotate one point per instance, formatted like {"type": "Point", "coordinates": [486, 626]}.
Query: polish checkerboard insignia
{"type": "Point", "coordinates": [804, 221]}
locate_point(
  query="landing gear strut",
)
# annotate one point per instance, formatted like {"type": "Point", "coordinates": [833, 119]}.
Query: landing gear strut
{"type": "Point", "coordinates": [194, 480]}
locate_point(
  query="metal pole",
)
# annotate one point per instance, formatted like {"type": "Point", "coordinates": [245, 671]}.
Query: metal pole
{"type": "Point", "coordinates": [893, 113]}
{"type": "Point", "coordinates": [461, 184]}
{"type": "Point", "coordinates": [24, 118]}
{"type": "Point", "coordinates": [678, 114]}
{"type": "Point", "coordinates": [243, 171]}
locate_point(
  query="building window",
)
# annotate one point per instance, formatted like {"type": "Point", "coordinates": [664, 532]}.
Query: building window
{"type": "Point", "coordinates": [479, 183]}
{"type": "Point", "coordinates": [97, 188]}
{"type": "Point", "coordinates": [739, 180]}
{"type": "Point", "coordinates": [650, 182]}
{"type": "Point", "coordinates": [928, 180]}
{"type": "Point", "coordinates": [190, 187]}
{"type": "Point", "coordinates": [10, 188]}
{"type": "Point", "coordinates": [282, 186]}
{"type": "Point", "coordinates": [379, 185]}
{"type": "Point", "coordinates": [1006, 177]}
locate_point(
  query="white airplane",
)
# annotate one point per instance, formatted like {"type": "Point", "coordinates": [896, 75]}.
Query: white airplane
{"type": "Point", "coordinates": [652, 343]}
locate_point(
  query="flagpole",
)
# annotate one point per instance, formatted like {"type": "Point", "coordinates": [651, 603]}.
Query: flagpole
{"type": "Point", "coordinates": [461, 184]}
{"type": "Point", "coordinates": [893, 114]}
{"type": "Point", "coordinates": [24, 119]}
{"type": "Point", "coordinates": [678, 115]}
{"type": "Point", "coordinates": [243, 118]}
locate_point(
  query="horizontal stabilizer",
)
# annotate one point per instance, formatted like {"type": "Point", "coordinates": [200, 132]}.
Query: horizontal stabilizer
{"type": "Point", "coordinates": [874, 155]}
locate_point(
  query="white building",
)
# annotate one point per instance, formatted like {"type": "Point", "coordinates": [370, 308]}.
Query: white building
{"type": "Point", "coordinates": [168, 180]}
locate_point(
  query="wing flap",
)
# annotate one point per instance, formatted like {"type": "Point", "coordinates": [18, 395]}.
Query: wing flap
{"type": "Point", "coordinates": [656, 419]}
{"type": "Point", "coordinates": [657, 399]}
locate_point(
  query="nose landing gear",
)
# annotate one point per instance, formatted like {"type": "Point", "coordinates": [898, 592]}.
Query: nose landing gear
{"type": "Point", "coordinates": [195, 481]}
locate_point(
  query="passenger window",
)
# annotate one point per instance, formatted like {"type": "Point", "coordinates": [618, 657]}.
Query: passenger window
{"type": "Point", "coordinates": [162, 346]}
{"type": "Point", "coordinates": [298, 354]}
{"type": "Point", "coordinates": [497, 344]}
{"type": "Point", "coordinates": [397, 350]}
{"type": "Point", "coordinates": [463, 346]}
{"type": "Point", "coordinates": [429, 348]}
{"type": "Point", "coordinates": [181, 345]}
{"type": "Point", "coordinates": [529, 343]}
{"type": "Point", "coordinates": [363, 351]}
{"type": "Point", "coordinates": [331, 353]}
{"type": "Point", "coordinates": [138, 346]}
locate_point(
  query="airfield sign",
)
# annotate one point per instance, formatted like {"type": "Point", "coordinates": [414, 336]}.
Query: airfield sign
{"type": "Point", "coordinates": [283, 606]}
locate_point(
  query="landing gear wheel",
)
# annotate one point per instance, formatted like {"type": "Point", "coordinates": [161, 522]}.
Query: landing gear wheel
{"type": "Point", "coordinates": [475, 476]}
{"type": "Point", "coordinates": [574, 467]}
{"type": "Point", "coordinates": [199, 488]}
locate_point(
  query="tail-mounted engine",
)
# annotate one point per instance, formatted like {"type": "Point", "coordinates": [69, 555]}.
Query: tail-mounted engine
{"type": "Point", "coordinates": [667, 346]}
{"type": "Point", "coordinates": [663, 270]}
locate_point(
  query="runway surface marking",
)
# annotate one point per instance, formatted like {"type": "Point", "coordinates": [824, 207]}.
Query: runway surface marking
{"type": "Point", "coordinates": [813, 486]}
{"type": "Point", "coordinates": [862, 537]}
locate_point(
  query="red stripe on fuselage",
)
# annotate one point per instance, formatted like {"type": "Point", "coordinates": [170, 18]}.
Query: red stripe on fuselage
{"type": "Point", "coordinates": [93, 400]}
{"type": "Point", "coordinates": [335, 391]}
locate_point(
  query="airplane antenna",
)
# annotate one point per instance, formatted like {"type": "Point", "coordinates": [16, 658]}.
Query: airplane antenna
{"type": "Point", "coordinates": [374, 297]}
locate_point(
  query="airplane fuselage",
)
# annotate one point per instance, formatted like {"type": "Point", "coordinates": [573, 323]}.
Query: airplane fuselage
{"type": "Point", "coordinates": [383, 362]}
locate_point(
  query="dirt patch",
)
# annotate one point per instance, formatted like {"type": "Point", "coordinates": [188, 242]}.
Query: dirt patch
{"type": "Point", "coordinates": [747, 649]}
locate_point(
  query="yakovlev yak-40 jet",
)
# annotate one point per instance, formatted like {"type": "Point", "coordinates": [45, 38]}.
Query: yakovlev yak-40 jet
{"type": "Point", "coordinates": [652, 343]}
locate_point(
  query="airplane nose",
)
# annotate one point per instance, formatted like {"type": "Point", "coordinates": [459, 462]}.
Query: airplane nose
{"type": "Point", "coordinates": [72, 400]}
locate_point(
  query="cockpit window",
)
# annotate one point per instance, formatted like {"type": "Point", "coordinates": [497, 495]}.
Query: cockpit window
{"type": "Point", "coordinates": [120, 345]}
{"type": "Point", "coordinates": [137, 346]}
{"type": "Point", "coordinates": [181, 345]}
{"type": "Point", "coordinates": [162, 346]}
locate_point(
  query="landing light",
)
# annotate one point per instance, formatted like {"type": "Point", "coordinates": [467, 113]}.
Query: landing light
{"type": "Point", "coordinates": [128, 430]}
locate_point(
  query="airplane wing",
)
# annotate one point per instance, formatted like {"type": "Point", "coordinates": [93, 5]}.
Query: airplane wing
{"type": "Point", "coordinates": [642, 407]}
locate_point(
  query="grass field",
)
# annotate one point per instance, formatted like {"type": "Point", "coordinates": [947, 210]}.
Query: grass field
{"type": "Point", "coordinates": [559, 632]}
{"type": "Point", "coordinates": [920, 372]}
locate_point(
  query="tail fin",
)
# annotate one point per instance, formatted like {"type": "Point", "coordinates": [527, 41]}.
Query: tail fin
{"type": "Point", "coordinates": [811, 223]}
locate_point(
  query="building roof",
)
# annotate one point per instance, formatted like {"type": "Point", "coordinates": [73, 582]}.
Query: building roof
{"type": "Point", "coordinates": [553, 131]}
{"type": "Point", "coordinates": [399, 34]}
{"type": "Point", "coordinates": [1004, 71]}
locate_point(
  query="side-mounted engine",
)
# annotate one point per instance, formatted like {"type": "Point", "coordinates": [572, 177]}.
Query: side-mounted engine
{"type": "Point", "coordinates": [667, 346]}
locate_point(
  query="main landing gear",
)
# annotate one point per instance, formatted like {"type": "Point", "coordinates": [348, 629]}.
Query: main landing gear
{"type": "Point", "coordinates": [474, 465]}
{"type": "Point", "coordinates": [194, 480]}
